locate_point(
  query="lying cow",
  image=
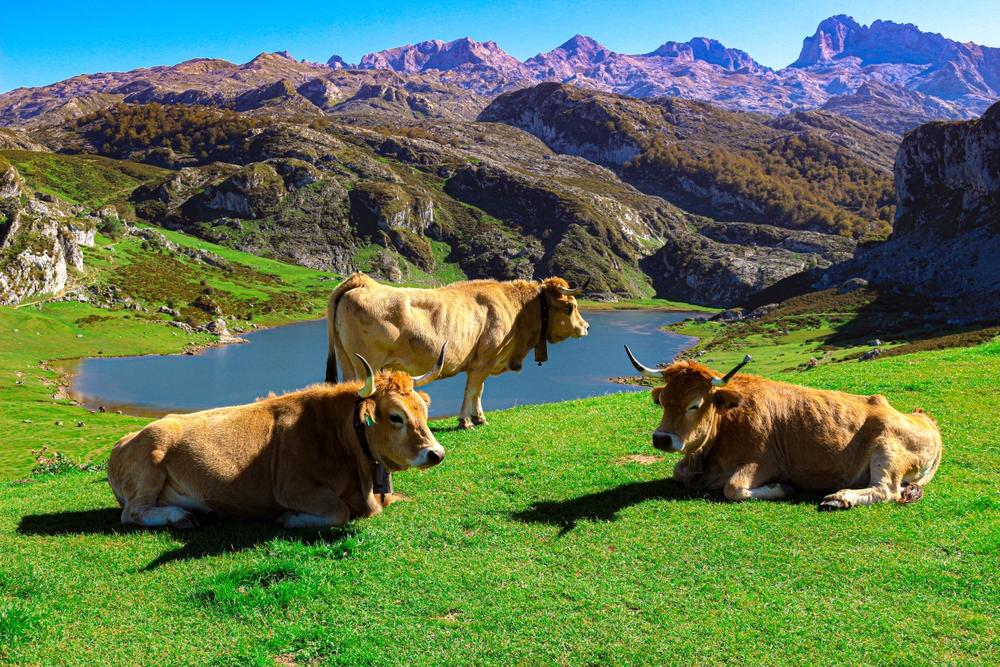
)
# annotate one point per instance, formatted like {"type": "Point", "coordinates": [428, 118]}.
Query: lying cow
{"type": "Point", "coordinates": [491, 326]}
{"type": "Point", "coordinates": [305, 459]}
{"type": "Point", "coordinates": [761, 439]}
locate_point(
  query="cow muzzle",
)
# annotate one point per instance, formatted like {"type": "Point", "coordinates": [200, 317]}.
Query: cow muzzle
{"type": "Point", "coordinates": [667, 442]}
{"type": "Point", "coordinates": [428, 457]}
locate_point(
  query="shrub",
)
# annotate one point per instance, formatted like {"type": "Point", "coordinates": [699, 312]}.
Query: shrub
{"type": "Point", "coordinates": [112, 228]}
{"type": "Point", "coordinates": [55, 463]}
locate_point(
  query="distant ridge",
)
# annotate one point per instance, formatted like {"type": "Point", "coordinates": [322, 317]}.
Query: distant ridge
{"type": "Point", "coordinates": [889, 76]}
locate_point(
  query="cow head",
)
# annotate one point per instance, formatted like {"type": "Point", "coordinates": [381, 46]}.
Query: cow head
{"type": "Point", "coordinates": [564, 316]}
{"type": "Point", "coordinates": [395, 416]}
{"type": "Point", "coordinates": [691, 397]}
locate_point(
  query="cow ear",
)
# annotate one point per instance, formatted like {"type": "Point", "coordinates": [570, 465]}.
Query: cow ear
{"type": "Point", "coordinates": [368, 412]}
{"type": "Point", "coordinates": [656, 394]}
{"type": "Point", "coordinates": [727, 399]}
{"type": "Point", "coordinates": [427, 399]}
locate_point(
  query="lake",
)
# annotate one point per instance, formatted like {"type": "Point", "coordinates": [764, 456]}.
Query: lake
{"type": "Point", "coordinates": [293, 356]}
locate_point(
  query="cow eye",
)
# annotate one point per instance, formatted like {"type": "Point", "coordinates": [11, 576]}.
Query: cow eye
{"type": "Point", "coordinates": [569, 310]}
{"type": "Point", "coordinates": [396, 419]}
{"type": "Point", "coordinates": [695, 406]}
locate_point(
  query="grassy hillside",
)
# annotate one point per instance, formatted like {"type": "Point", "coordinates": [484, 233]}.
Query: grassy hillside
{"type": "Point", "coordinates": [82, 179]}
{"type": "Point", "coordinates": [539, 541]}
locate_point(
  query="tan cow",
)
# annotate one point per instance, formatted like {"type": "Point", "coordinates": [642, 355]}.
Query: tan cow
{"type": "Point", "coordinates": [304, 459]}
{"type": "Point", "coordinates": [490, 326]}
{"type": "Point", "coordinates": [761, 439]}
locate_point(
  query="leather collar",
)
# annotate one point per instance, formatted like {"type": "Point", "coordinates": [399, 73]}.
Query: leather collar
{"type": "Point", "coordinates": [381, 478]}
{"type": "Point", "coordinates": [541, 351]}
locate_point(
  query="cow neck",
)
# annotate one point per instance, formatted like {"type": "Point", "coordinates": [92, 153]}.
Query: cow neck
{"type": "Point", "coordinates": [696, 466]}
{"type": "Point", "coordinates": [381, 478]}
{"type": "Point", "coordinates": [541, 351]}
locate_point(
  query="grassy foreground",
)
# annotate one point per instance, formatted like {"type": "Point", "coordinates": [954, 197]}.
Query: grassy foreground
{"type": "Point", "coordinates": [539, 541]}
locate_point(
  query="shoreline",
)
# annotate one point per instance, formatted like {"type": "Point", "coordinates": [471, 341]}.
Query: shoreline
{"type": "Point", "coordinates": [67, 368]}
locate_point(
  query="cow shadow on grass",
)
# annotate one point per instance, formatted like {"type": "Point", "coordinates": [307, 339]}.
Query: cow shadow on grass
{"type": "Point", "coordinates": [605, 505]}
{"type": "Point", "coordinates": [215, 537]}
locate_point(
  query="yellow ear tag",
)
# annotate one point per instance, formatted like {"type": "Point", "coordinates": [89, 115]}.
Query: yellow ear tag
{"type": "Point", "coordinates": [368, 419]}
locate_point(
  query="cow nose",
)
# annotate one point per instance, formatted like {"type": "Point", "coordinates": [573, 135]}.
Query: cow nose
{"type": "Point", "coordinates": [666, 441]}
{"type": "Point", "coordinates": [434, 456]}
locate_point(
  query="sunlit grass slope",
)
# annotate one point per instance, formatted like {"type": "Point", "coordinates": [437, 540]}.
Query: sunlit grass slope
{"type": "Point", "coordinates": [538, 541]}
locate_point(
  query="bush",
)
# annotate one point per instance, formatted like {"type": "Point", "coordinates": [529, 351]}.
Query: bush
{"type": "Point", "coordinates": [112, 228]}
{"type": "Point", "coordinates": [55, 463]}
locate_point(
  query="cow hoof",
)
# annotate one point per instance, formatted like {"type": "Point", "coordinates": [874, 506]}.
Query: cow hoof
{"type": "Point", "coordinates": [467, 425]}
{"type": "Point", "coordinates": [185, 523]}
{"type": "Point", "coordinates": [831, 504]}
{"type": "Point", "coordinates": [480, 421]}
{"type": "Point", "coordinates": [911, 493]}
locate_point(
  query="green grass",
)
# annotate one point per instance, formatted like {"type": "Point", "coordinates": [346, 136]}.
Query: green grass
{"type": "Point", "coordinates": [82, 179]}
{"type": "Point", "coordinates": [642, 304]}
{"type": "Point", "coordinates": [535, 544]}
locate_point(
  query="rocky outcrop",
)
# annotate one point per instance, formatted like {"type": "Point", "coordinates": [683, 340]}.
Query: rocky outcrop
{"type": "Point", "coordinates": [699, 269]}
{"type": "Point", "coordinates": [39, 242]}
{"type": "Point", "coordinates": [946, 238]}
{"type": "Point", "coordinates": [249, 192]}
{"type": "Point", "coordinates": [11, 185]}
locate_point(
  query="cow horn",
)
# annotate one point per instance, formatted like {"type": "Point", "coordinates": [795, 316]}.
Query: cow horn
{"type": "Point", "coordinates": [369, 387]}
{"type": "Point", "coordinates": [565, 291]}
{"type": "Point", "coordinates": [723, 381]}
{"type": "Point", "coordinates": [431, 375]}
{"type": "Point", "coordinates": [648, 372]}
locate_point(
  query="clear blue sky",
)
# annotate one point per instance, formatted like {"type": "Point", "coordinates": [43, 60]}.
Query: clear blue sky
{"type": "Point", "coordinates": [45, 41]}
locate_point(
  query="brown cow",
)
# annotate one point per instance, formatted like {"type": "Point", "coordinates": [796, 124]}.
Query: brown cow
{"type": "Point", "coordinates": [491, 326]}
{"type": "Point", "coordinates": [761, 439]}
{"type": "Point", "coordinates": [305, 459]}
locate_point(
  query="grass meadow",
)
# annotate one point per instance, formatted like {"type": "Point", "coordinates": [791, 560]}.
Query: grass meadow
{"type": "Point", "coordinates": [548, 537]}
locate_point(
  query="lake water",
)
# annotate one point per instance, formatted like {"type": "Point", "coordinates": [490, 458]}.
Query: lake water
{"type": "Point", "coordinates": [294, 356]}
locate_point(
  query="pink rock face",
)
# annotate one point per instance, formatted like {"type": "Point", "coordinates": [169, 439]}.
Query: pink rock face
{"type": "Point", "coordinates": [438, 55]}
{"type": "Point", "coordinates": [710, 51]}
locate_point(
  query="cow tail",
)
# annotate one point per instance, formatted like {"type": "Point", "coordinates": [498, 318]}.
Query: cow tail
{"type": "Point", "coordinates": [353, 282]}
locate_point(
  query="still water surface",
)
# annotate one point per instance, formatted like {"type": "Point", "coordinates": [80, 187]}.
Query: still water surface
{"type": "Point", "coordinates": [294, 356]}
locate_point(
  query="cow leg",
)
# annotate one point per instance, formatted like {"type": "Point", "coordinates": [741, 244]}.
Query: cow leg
{"type": "Point", "coordinates": [478, 416]}
{"type": "Point", "coordinates": [749, 483]}
{"type": "Point", "coordinates": [352, 369]}
{"type": "Point", "coordinates": [316, 507]}
{"type": "Point", "coordinates": [472, 408]}
{"type": "Point", "coordinates": [886, 482]}
{"type": "Point", "coordinates": [138, 482]}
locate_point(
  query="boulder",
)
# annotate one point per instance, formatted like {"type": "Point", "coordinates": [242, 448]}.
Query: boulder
{"type": "Point", "coordinates": [853, 284]}
{"type": "Point", "coordinates": [760, 312]}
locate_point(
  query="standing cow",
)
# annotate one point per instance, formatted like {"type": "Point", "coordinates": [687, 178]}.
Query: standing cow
{"type": "Point", "coordinates": [306, 459]}
{"type": "Point", "coordinates": [761, 439]}
{"type": "Point", "coordinates": [490, 326]}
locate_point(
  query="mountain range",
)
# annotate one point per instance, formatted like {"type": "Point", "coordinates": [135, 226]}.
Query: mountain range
{"type": "Point", "coordinates": [436, 161]}
{"type": "Point", "coordinates": [889, 76]}
{"type": "Point", "coordinates": [859, 71]}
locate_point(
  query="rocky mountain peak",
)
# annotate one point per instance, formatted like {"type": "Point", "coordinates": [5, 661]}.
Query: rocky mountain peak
{"type": "Point", "coordinates": [438, 55]}
{"type": "Point", "coordinates": [580, 49]}
{"type": "Point", "coordinates": [707, 50]}
{"type": "Point", "coordinates": [336, 62]}
{"type": "Point", "coordinates": [883, 42]}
